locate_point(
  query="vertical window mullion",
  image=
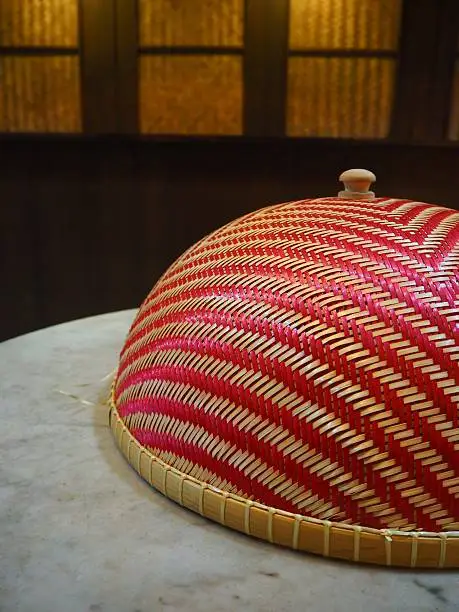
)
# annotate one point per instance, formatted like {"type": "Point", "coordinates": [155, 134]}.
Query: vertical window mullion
{"type": "Point", "coordinates": [98, 67]}
{"type": "Point", "coordinates": [265, 67]}
{"type": "Point", "coordinates": [445, 67]}
{"type": "Point", "coordinates": [127, 77]}
{"type": "Point", "coordinates": [425, 70]}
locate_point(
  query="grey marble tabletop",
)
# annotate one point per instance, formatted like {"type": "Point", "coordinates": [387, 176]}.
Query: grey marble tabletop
{"type": "Point", "coordinates": [79, 531]}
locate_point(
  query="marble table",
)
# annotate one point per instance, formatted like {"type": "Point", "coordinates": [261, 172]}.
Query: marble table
{"type": "Point", "coordinates": [79, 531]}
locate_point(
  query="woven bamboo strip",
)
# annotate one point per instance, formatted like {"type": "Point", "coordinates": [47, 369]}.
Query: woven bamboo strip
{"type": "Point", "coordinates": [355, 543]}
{"type": "Point", "coordinates": [294, 376]}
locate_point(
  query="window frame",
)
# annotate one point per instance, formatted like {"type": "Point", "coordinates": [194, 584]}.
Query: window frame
{"type": "Point", "coordinates": [108, 50]}
{"type": "Point", "coordinates": [352, 53]}
{"type": "Point", "coordinates": [44, 51]}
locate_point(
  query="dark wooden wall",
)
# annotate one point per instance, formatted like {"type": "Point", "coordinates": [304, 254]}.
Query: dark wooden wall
{"type": "Point", "coordinates": [89, 225]}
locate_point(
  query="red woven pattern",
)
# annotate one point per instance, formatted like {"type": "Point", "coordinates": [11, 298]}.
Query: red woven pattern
{"type": "Point", "coordinates": [305, 356]}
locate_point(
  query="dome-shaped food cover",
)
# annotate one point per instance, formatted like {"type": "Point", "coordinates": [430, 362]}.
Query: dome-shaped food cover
{"type": "Point", "coordinates": [294, 376]}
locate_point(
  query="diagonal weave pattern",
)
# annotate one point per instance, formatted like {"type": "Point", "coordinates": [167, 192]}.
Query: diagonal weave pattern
{"type": "Point", "coordinates": [305, 357]}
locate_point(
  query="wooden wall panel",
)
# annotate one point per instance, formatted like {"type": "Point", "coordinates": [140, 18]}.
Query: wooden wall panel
{"type": "Point", "coordinates": [453, 130]}
{"type": "Point", "coordinates": [425, 70]}
{"type": "Point", "coordinates": [89, 225]}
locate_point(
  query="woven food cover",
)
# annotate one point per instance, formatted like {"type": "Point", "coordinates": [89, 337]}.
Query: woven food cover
{"type": "Point", "coordinates": [294, 376]}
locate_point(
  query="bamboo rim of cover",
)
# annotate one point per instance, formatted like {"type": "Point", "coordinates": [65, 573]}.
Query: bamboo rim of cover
{"type": "Point", "coordinates": [415, 549]}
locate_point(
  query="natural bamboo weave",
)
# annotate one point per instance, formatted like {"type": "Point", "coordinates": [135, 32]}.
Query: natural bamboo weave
{"type": "Point", "coordinates": [390, 547]}
{"type": "Point", "coordinates": [294, 376]}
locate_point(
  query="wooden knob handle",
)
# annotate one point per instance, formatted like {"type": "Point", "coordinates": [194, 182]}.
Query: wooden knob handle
{"type": "Point", "coordinates": [357, 184]}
